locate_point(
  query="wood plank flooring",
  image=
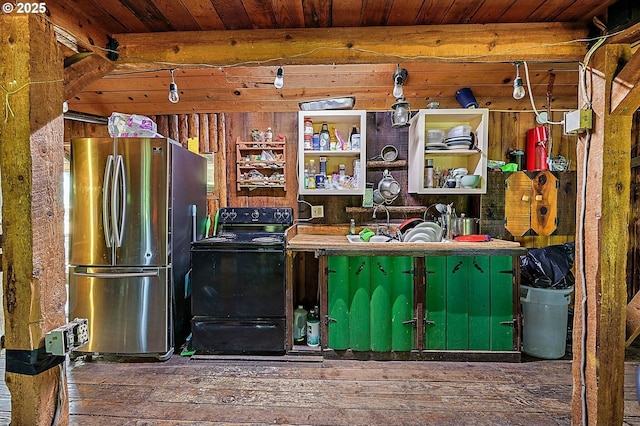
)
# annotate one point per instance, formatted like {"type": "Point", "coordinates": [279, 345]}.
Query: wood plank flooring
{"type": "Point", "coordinates": [312, 391]}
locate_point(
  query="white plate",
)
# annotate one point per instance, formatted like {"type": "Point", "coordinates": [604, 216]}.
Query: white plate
{"type": "Point", "coordinates": [459, 139]}
{"type": "Point", "coordinates": [436, 145]}
{"type": "Point", "coordinates": [458, 148]}
{"type": "Point", "coordinates": [437, 229]}
{"type": "Point", "coordinates": [412, 233]}
{"type": "Point", "coordinates": [420, 239]}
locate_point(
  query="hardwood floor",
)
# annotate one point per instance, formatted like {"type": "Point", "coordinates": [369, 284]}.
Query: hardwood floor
{"type": "Point", "coordinates": [215, 390]}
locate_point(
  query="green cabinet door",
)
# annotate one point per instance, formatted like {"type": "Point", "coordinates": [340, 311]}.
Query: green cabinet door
{"type": "Point", "coordinates": [469, 303]}
{"type": "Point", "coordinates": [370, 303]}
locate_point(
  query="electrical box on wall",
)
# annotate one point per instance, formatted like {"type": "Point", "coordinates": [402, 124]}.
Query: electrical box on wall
{"type": "Point", "coordinates": [578, 121]}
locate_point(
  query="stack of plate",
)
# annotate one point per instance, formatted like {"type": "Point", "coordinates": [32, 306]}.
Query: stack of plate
{"type": "Point", "coordinates": [459, 142]}
{"type": "Point", "coordinates": [425, 232]}
{"type": "Point", "coordinates": [435, 145]}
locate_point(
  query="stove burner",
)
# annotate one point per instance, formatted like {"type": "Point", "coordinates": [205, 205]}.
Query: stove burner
{"type": "Point", "coordinates": [266, 240]}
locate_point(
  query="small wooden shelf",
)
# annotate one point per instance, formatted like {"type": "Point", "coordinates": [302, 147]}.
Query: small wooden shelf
{"type": "Point", "coordinates": [249, 157]}
{"type": "Point", "coordinates": [392, 209]}
{"type": "Point", "coordinates": [379, 164]}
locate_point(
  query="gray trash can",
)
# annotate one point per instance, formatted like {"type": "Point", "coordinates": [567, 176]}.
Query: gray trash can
{"type": "Point", "coordinates": [545, 312]}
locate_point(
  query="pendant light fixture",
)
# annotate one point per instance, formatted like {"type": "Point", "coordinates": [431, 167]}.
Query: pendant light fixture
{"type": "Point", "coordinates": [279, 80]}
{"type": "Point", "coordinates": [518, 85]}
{"type": "Point", "coordinates": [174, 98]}
{"type": "Point", "coordinates": [400, 113]}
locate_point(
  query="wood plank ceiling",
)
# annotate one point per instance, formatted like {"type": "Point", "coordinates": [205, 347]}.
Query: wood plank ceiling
{"type": "Point", "coordinates": [139, 83]}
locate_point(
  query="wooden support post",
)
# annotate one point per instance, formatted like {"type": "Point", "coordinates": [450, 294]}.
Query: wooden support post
{"type": "Point", "coordinates": [601, 250]}
{"type": "Point", "coordinates": [220, 162]}
{"type": "Point", "coordinates": [31, 159]}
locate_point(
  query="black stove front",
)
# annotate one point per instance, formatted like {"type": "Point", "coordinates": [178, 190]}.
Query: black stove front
{"type": "Point", "coordinates": [238, 283]}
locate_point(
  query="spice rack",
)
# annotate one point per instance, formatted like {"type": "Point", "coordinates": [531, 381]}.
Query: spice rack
{"type": "Point", "coordinates": [260, 164]}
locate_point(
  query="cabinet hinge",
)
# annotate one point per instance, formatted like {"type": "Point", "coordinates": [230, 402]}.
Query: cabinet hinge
{"type": "Point", "coordinates": [410, 272]}
{"type": "Point", "coordinates": [511, 323]}
{"type": "Point", "coordinates": [478, 267]}
{"type": "Point", "coordinates": [328, 319]}
{"type": "Point", "coordinates": [426, 271]}
{"type": "Point", "coordinates": [428, 322]}
{"type": "Point", "coordinates": [329, 271]}
{"type": "Point", "coordinates": [508, 271]}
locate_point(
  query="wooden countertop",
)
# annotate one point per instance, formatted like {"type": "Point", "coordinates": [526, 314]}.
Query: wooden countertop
{"type": "Point", "coordinates": [338, 245]}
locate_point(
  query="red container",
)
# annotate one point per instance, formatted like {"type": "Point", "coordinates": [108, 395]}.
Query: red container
{"type": "Point", "coordinates": [537, 148]}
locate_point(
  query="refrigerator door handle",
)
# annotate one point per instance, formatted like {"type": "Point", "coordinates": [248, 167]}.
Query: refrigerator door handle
{"type": "Point", "coordinates": [119, 188]}
{"type": "Point", "coordinates": [108, 237]}
{"type": "Point", "coordinates": [117, 274]}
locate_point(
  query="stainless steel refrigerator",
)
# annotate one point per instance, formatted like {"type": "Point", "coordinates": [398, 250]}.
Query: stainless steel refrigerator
{"type": "Point", "coordinates": [136, 206]}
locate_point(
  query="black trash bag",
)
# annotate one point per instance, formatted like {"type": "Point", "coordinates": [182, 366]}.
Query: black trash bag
{"type": "Point", "coordinates": [548, 267]}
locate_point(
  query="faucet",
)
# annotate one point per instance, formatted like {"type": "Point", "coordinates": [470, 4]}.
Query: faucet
{"type": "Point", "coordinates": [387, 210]}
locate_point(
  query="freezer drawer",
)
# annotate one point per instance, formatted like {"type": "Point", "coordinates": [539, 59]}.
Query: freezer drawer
{"type": "Point", "coordinates": [128, 309]}
{"type": "Point", "coordinates": [235, 336]}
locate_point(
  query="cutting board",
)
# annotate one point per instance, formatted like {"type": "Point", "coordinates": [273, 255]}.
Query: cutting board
{"type": "Point", "coordinates": [544, 203]}
{"type": "Point", "coordinates": [517, 209]}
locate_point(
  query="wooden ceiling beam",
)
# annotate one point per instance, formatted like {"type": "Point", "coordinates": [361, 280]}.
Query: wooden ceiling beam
{"type": "Point", "coordinates": [84, 72]}
{"type": "Point", "coordinates": [625, 93]}
{"type": "Point", "coordinates": [542, 42]}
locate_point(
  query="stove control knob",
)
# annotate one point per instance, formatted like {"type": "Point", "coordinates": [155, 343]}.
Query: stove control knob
{"type": "Point", "coordinates": [224, 215]}
{"type": "Point", "coordinates": [255, 214]}
{"type": "Point", "coordinates": [233, 214]}
{"type": "Point", "coordinates": [277, 214]}
{"type": "Point", "coordinates": [285, 214]}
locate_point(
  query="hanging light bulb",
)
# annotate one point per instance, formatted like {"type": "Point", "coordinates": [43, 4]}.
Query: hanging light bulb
{"type": "Point", "coordinates": [399, 78]}
{"type": "Point", "coordinates": [173, 90]}
{"type": "Point", "coordinates": [518, 85]}
{"type": "Point", "coordinates": [279, 80]}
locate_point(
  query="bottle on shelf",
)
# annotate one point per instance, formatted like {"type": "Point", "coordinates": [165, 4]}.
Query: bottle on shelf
{"type": "Point", "coordinates": [268, 136]}
{"type": "Point", "coordinates": [299, 325]}
{"type": "Point", "coordinates": [354, 138]}
{"type": "Point", "coordinates": [333, 139]}
{"type": "Point", "coordinates": [308, 134]}
{"type": "Point", "coordinates": [325, 137]}
{"type": "Point", "coordinates": [311, 177]}
{"type": "Point", "coordinates": [430, 173]}
{"type": "Point", "coordinates": [313, 327]}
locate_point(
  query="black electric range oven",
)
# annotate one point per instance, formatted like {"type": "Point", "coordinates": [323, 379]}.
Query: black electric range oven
{"type": "Point", "coordinates": [238, 283]}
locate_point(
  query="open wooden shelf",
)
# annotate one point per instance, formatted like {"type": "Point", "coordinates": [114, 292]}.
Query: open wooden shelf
{"type": "Point", "coordinates": [392, 209]}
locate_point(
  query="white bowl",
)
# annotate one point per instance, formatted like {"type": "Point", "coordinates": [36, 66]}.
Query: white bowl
{"type": "Point", "coordinates": [470, 181]}
{"type": "Point", "coordinates": [435, 133]}
{"type": "Point", "coordinates": [458, 131]}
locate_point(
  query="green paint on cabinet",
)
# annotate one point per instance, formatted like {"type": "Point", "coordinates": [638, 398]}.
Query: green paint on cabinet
{"type": "Point", "coordinates": [402, 304]}
{"type": "Point", "coordinates": [381, 283]}
{"type": "Point", "coordinates": [338, 297]}
{"type": "Point", "coordinates": [436, 303]}
{"type": "Point", "coordinates": [360, 306]}
{"type": "Point", "coordinates": [501, 319]}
